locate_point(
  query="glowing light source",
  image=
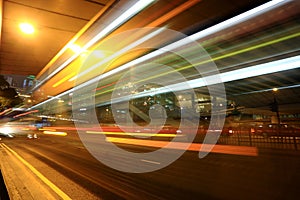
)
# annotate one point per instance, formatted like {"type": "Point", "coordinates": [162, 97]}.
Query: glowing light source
{"type": "Point", "coordinates": [275, 89]}
{"type": "Point", "coordinates": [76, 48]}
{"type": "Point", "coordinates": [26, 28]}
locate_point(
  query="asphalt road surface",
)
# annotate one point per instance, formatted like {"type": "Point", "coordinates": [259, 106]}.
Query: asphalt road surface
{"type": "Point", "coordinates": [272, 174]}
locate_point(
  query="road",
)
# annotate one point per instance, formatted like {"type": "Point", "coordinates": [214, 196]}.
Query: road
{"type": "Point", "coordinates": [272, 174]}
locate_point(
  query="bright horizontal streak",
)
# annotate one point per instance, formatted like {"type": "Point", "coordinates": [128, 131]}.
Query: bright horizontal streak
{"type": "Point", "coordinates": [55, 133]}
{"type": "Point", "coordinates": [225, 149]}
{"type": "Point", "coordinates": [262, 69]}
{"type": "Point", "coordinates": [47, 129]}
{"type": "Point", "coordinates": [135, 134]}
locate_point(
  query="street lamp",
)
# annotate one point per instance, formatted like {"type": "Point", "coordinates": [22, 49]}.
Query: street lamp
{"type": "Point", "coordinates": [26, 28]}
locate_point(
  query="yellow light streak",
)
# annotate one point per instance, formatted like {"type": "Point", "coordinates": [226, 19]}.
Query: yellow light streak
{"type": "Point", "coordinates": [47, 129]}
{"type": "Point", "coordinates": [64, 79]}
{"type": "Point", "coordinates": [55, 133]}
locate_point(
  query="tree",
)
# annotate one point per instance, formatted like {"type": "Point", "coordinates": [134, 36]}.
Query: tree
{"type": "Point", "coordinates": [8, 96]}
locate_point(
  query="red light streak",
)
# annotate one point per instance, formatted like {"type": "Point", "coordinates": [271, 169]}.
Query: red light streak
{"type": "Point", "coordinates": [5, 111]}
{"type": "Point", "coordinates": [26, 113]}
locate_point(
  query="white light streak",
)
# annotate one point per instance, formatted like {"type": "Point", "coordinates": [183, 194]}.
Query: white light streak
{"type": "Point", "coordinates": [239, 18]}
{"type": "Point", "coordinates": [194, 83]}
{"type": "Point", "coordinates": [136, 8]}
{"type": "Point", "coordinates": [230, 22]}
{"type": "Point", "coordinates": [257, 70]}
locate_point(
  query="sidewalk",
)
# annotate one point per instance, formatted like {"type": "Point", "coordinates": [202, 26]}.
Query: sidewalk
{"type": "Point", "coordinates": [21, 181]}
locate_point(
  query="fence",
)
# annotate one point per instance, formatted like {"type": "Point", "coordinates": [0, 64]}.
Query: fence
{"type": "Point", "coordinates": [276, 140]}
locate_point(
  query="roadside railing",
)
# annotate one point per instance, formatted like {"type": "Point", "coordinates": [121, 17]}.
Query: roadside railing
{"type": "Point", "coordinates": [247, 138]}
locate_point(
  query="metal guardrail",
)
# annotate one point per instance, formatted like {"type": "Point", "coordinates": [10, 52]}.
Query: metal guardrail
{"type": "Point", "coordinates": [280, 142]}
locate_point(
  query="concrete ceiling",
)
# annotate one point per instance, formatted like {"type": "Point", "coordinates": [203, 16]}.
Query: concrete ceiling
{"type": "Point", "coordinates": [55, 21]}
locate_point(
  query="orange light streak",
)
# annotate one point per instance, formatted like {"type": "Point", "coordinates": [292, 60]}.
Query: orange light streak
{"type": "Point", "coordinates": [225, 149]}
{"type": "Point", "coordinates": [105, 86]}
{"type": "Point", "coordinates": [173, 13]}
{"type": "Point", "coordinates": [64, 79]}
